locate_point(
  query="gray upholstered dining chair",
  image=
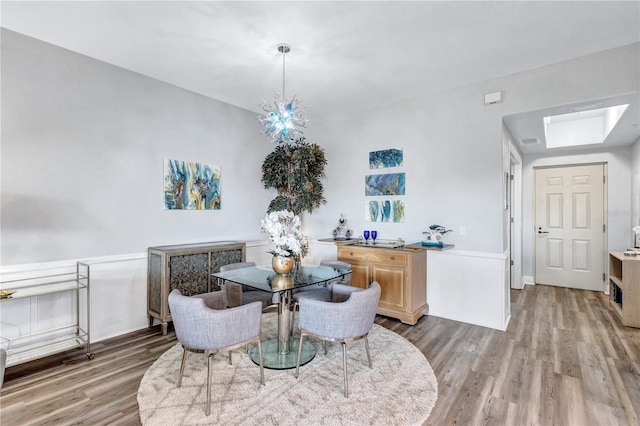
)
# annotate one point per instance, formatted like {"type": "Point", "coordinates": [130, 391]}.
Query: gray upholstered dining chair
{"type": "Point", "coordinates": [343, 322]}
{"type": "Point", "coordinates": [200, 328]}
{"type": "Point", "coordinates": [323, 292]}
{"type": "Point", "coordinates": [236, 294]}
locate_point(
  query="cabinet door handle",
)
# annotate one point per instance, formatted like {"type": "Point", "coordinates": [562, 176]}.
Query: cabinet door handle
{"type": "Point", "coordinates": [393, 258]}
{"type": "Point", "coordinates": [351, 254]}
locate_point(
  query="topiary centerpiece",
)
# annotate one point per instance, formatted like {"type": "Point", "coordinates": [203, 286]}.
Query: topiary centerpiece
{"type": "Point", "coordinates": [295, 170]}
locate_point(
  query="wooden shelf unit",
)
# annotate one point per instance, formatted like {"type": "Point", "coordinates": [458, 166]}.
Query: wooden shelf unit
{"type": "Point", "coordinates": [624, 288]}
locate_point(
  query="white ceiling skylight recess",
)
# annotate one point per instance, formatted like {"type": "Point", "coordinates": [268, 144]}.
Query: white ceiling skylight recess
{"type": "Point", "coordinates": [582, 127]}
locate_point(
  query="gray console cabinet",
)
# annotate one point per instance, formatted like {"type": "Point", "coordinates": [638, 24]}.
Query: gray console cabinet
{"type": "Point", "coordinates": [188, 268]}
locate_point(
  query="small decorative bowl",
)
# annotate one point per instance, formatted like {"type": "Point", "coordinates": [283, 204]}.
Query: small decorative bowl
{"type": "Point", "coordinates": [5, 294]}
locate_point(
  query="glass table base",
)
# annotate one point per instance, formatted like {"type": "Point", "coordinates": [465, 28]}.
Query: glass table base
{"type": "Point", "coordinates": [275, 361]}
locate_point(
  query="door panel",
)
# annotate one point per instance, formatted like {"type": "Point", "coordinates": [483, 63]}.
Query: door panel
{"type": "Point", "coordinates": [391, 280]}
{"type": "Point", "coordinates": [554, 253]}
{"type": "Point", "coordinates": [569, 207]}
{"type": "Point", "coordinates": [360, 275]}
{"type": "Point", "coordinates": [554, 211]}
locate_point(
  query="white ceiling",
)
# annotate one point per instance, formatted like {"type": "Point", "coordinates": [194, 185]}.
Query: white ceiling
{"type": "Point", "coordinates": [346, 56]}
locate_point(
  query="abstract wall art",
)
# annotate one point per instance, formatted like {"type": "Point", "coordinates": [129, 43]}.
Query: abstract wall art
{"type": "Point", "coordinates": [385, 158]}
{"type": "Point", "coordinates": [384, 211]}
{"type": "Point", "coordinates": [385, 184]}
{"type": "Point", "coordinates": [191, 186]}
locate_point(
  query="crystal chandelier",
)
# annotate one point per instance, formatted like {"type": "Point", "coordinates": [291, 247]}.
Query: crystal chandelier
{"type": "Point", "coordinates": [284, 118]}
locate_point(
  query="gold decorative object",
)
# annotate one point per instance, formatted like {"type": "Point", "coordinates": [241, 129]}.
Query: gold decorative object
{"type": "Point", "coordinates": [282, 282]}
{"type": "Point", "coordinates": [282, 265]}
{"type": "Point", "coordinates": [5, 294]}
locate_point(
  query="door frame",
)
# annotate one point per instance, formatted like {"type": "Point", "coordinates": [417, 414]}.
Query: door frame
{"type": "Point", "coordinates": [515, 210]}
{"type": "Point", "coordinates": [605, 216]}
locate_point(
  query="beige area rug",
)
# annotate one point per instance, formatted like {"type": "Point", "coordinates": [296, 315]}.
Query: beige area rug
{"type": "Point", "coordinates": [401, 389]}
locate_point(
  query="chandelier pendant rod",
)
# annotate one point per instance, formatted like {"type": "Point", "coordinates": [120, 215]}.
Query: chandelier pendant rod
{"type": "Point", "coordinates": [284, 48]}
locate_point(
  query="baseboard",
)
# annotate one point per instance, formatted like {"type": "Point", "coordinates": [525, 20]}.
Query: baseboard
{"type": "Point", "coordinates": [472, 322]}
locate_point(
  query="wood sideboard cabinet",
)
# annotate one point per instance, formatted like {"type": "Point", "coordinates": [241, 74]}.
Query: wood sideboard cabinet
{"type": "Point", "coordinates": [624, 288]}
{"type": "Point", "coordinates": [188, 268]}
{"type": "Point", "coordinates": [401, 273]}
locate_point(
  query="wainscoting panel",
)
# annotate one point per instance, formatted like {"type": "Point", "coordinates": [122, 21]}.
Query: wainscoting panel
{"type": "Point", "coordinates": [117, 299]}
{"type": "Point", "coordinates": [469, 287]}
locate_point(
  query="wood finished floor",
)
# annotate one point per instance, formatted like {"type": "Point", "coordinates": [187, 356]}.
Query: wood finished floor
{"type": "Point", "coordinates": [564, 360]}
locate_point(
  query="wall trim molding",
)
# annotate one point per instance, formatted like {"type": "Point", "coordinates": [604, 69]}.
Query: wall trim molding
{"type": "Point", "coordinates": [481, 254]}
{"type": "Point", "coordinates": [67, 263]}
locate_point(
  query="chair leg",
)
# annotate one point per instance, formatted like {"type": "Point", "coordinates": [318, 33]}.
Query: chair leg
{"type": "Point", "coordinates": [293, 316]}
{"type": "Point", "coordinates": [209, 359]}
{"type": "Point", "coordinates": [366, 345]}
{"type": "Point", "coordinates": [230, 360]}
{"type": "Point", "coordinates": [325, 346]}
{"type": "Point", "coordinates": [344, 364]}
{"type": "Point", "coordinates": [261, 366]}
{"type": "Point", "coordinates": [299, 354]}
{"type": "Point", "coordinates": [184, 361]}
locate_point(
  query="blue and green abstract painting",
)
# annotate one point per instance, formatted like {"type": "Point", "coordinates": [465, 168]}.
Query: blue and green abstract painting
{"type": "Point", "coordinates": [191, 186]}
{"type": "Point", "coordinates": [385, 158]}
{"type": "Point", "coordinates": [384, 211]}
{"type": "Point", "coordinates": [386, 184]}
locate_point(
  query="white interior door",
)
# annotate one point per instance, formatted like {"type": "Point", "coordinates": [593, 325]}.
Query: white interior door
{"type": "Point", "coordinates": [569, 226]}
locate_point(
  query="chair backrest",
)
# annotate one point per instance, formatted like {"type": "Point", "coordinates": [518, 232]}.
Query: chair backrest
{"type": "Point", "coordinates": [239, 265]}
{"type": "Point", "coordinates": [189, 318]}
{"type": "Point", "coordinates": [362, 306]}
{"type": "Point", "coordinates": [232, 291]}
{"type": "Point", "coordinates": [232, 294]}
{"type": "Point", "coordinates": [202, 328]}
{"type": "Point", "coordinates": [349, 319]}
{"type": "Point", "coordinates": [338, 264]}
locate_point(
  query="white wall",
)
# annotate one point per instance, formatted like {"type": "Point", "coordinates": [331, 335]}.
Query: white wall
{"type": "Point", "coordinates": [83, 144]}
{"type": "Point", "coordinates": [453, 168]}
{"type": "Point", "coordinates": [454, 151]}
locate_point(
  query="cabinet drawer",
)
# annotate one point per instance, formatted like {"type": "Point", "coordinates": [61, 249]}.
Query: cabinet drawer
{"type": "Point", "coordinates": [372, 255]}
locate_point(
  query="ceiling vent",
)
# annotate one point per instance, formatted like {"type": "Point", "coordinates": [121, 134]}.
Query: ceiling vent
{"type": "Point", "coordinates": [529, 141]}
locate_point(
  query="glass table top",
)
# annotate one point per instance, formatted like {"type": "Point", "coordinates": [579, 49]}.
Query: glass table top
{"type": "Point", "coordinates": [265, 279]}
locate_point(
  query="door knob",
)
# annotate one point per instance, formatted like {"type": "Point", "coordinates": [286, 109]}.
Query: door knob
{"type": "Point", "coordinates": [541, 232]}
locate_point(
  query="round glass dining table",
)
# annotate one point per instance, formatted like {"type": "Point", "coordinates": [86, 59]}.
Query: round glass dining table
{"type": "Point", "coordinates": [281, 352]}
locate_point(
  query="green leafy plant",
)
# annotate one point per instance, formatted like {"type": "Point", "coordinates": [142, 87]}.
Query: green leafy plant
{"type": "Point", "coordinates": [295, 170]}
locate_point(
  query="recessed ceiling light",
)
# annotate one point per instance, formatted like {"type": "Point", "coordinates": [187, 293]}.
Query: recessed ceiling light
{"type": "Point", "coordinates": [586, 127]}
